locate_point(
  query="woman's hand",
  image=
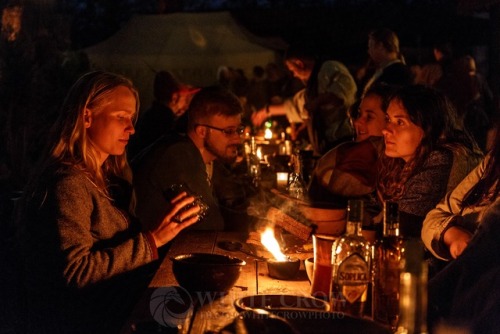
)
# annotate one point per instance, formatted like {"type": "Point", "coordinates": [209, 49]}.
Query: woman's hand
{"type": "Point", "coordinates": [457, 240]}
{"type": "Point", "coordinates": [176, 220]}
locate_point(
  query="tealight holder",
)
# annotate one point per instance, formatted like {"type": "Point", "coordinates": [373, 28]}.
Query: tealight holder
{"type": "Point", "coordinates": [285, 270]}
{"type": "Point", "coordinates": [281, 180]}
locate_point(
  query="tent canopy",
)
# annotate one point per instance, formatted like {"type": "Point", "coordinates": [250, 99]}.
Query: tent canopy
{"type": "Point", "coordinates": [190, 45]}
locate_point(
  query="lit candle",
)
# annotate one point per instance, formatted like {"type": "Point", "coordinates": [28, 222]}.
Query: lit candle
{"type": "Point", "coordinates": [281, 180]}
{"type": "Point", "coordinates": [268, 134]}
{"type": "Point", "coordinates": [259, 153]}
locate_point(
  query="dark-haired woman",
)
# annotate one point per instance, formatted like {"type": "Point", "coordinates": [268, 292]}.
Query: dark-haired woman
{"type": "Point", "coordinates": [426, 154]}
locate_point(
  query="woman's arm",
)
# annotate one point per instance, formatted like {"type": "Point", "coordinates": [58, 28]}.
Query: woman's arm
{"type": "Point", "coordinates": [292, 108]}
{"type": "Point", "coordinates": [447, 213]}
{"type": "Point", "coordinates": [96, 242]}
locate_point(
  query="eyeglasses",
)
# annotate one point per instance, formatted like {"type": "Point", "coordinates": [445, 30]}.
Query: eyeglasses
{"type": "Point", "coordinates": [227, 131]}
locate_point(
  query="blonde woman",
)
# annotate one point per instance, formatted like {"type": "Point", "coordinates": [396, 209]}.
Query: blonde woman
{"type": "Point", "coordinates": [84, 256]}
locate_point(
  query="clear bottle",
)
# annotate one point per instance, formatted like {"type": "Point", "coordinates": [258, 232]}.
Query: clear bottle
{"type": "Point", "coordinates": [253, 161]}
{"type": "Point", "coordinates": [351, 258]}
{"type": "Point", "coordinates": [388, 254]}
{"type": "Point", "coordinates": [296, 185]}
{"type": "Point", "coordinates": [413, 290]}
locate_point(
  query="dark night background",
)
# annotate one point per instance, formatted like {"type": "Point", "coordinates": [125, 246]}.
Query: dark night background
{"type": "Point", "coordinates": [341, 24]}
{"type": "Point", "coordinates": [38, 67]}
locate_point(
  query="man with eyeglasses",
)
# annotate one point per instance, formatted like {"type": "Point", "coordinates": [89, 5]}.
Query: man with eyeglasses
{"type": "Point", "coordinates": [213, 132]}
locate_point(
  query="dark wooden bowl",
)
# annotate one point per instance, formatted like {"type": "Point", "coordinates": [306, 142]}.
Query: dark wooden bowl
{"type": "Point", "coordinates": [206, 272]}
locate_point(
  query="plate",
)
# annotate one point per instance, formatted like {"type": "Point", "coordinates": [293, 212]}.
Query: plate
{"type": "Point", "coordinates": [280, 302]}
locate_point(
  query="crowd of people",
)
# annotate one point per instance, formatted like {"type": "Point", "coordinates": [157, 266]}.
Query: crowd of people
{"type": "Point", "coordinates": [96, 214]}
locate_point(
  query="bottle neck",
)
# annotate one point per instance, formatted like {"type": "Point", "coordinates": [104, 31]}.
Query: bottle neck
{"type": "Point", "coordinates": [297, 165]}
{"type": "Point", "coordinates": [391, 220]}
{"type": "Point", "coordinates": [391, 229]}
{"type": "Point", "coordinates": [253, 146]}
{"type": "Point", "coordinates": [353, 228]}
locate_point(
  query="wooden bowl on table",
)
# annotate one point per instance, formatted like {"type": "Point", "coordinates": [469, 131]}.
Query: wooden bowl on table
{"type": "Point", "coordinates": [206, 272]}
{"type": "Point", "coordinates": [330, 220]}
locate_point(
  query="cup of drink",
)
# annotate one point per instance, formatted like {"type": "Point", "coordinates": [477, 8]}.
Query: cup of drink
{"type": "Point", "coordinates": [322, 269]}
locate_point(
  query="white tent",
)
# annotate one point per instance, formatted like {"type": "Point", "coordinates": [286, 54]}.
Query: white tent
{"type": "Point", "coordinates": [190, 45]}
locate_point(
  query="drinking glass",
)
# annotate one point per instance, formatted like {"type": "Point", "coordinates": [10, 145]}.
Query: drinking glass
{"type": "Point", "coordinates": [175, 190]}
{"type": "Point", "coordinates": [322, 269]}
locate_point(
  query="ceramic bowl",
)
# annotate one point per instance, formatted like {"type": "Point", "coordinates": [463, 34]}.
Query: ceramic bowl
{"type": "Point", "coordinates": [206, 272]}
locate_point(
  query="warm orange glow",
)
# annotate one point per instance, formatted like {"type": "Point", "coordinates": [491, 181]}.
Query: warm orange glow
{"type": "Point", "coordinates": [11, 22]}
{"type": "Point", "coordinates": [281, 180]}
{"type": "Point", "coordinates": [259, 153]}
{"type": "Point", "coordinates": [269, 241]}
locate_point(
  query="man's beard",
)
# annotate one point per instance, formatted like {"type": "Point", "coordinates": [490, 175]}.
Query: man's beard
{"type": "Point", "coordinates": [220, 154]}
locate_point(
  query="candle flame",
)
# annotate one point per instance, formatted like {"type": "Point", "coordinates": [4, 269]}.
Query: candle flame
{"type": "Point", "coordinates": [268, 134]}
{"type": "Point", "coordinates": [259, 153]}
{"type": "Point", "coordinates": [269, 241]}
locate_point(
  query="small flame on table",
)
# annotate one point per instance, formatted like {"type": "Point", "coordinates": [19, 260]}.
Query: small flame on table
{"type": "Point", "coordinates": [259, 153]}
{"type": "Point", "coordinates": [269, 241]}
{"type": "Point", "coordinates": [268, 134]}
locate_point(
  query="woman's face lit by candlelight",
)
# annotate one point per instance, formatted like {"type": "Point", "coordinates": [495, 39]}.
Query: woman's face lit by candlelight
{"type": "Point", "coordinates": [110, 125]}
{"type": "Point", "coordinates": [371, 119]}
{"type": "Point", "coordinates": [402, 137]}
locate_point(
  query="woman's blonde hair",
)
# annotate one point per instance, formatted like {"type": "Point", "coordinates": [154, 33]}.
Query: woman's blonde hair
{"type": "Point", "coordinates": [70, 145]}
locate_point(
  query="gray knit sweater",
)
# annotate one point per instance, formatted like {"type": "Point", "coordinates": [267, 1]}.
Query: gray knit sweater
{"type": "Point", "coordinates": [84, 259]}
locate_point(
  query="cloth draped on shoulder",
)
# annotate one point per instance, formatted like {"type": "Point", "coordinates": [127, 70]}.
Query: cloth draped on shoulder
{"type": "Point", "coordinates": [350, 169]}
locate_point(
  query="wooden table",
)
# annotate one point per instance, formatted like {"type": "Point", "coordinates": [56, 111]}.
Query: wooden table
{"type": "Point", "coordinates": [214, 316]}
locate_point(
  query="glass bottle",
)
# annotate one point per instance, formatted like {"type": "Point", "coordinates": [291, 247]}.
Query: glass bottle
{"type": "Point", "coordinates": [253, 161]}
{"type": "Point", "coordinates": [413, 290]}
{"type": "Point", "coordinates": [296, 186]}
{"type": "Point", "coordinates": [351, 258]}
{"type": "Point", "coordinates": [388, 253]}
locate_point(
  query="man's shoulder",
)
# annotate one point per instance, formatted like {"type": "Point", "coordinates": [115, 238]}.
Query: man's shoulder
{"type": "Point", "coordinates": [398, 68]}
{"type": "Point", "coordinates": [332, 63]}
{"type": "Point", "coordinates": [155, 117]}
{"type": "Point", "coordinates": [170, 146]}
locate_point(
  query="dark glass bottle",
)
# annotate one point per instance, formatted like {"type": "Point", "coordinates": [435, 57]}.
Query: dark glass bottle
{"type": "Point", "coordinates": [388, 254]}
{"type": "Point", "coordinates": [351, 265]}
{"type": "Point", "coordinates": [296, 185]}
{"type": "Point", "coordinates": [253, 162]}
